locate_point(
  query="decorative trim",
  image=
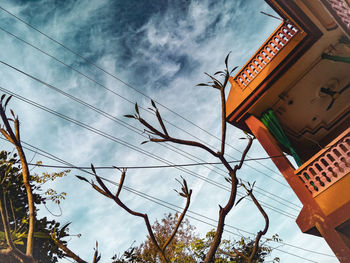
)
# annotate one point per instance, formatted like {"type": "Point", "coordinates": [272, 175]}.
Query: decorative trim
{"type": "Point", "coordinates": [340, 10]}
{"type": "Point", "coordinates": [290, 12]}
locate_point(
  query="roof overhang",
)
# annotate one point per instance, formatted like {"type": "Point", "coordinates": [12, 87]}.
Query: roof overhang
{"type": "Point", "coordinates": [308, 33]}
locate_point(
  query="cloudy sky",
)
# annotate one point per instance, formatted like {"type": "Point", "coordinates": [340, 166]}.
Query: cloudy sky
{"type": "Point", "coordinates": [142, 49]}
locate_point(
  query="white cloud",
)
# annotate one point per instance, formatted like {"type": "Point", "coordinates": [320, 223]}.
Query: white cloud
{"type": "Point", "coordinates": [165, 58]}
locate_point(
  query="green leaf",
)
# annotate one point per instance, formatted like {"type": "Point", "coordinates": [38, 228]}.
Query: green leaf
{"type": "Point", "coordinates": [239, 200]}
{"type": "Point", "coordinates": [233, 70]}
{"type": "Point", "coordinates": [185, 183]}
{"type": "Point", "coordinates": [218, 72]}
{"type": "Point", "coordinates": [137, 108]}
{"type": "Point", "coordinates": [93, 169]}
{"type": "Point", "coordinates": [62, 234]}
{"type": "Point", "coordinates": [153, 104]}
{"type": "Point", "coordinates": [226, 59]}
{"type": "Point", "coordinates": [203, 84]}
{"type": "Point", "coordinates": [7, 101]}
{"type": "Point", "coordinates": [82, 178]}
{"type": "Point", "coordinates": [41, 235]}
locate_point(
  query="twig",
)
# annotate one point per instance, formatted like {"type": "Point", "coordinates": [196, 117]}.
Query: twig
{"type": "Point", "coordinates": [69, 253]}
{"type": "Point", "coordinates": [14, 138]}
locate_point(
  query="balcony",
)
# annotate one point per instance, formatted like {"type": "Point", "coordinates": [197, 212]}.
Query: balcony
{"type": "Point", "coordinates": [274, 44]}
{"type": "Point", "coordinates": [271, 58]}
{"type": "Point", "coordinates": [328, 166]}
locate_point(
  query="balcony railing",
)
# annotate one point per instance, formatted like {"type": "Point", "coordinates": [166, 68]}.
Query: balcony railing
{"type": "Point", "coordinates": [282, 35]}
{"type": "Point", "coordinates": [328, 166]}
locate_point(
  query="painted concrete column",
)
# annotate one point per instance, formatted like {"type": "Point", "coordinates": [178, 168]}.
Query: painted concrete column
{"type": "Point", "coordinates": [311, 215]}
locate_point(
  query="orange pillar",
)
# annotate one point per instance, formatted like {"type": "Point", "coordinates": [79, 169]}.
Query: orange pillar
{"type": "Point", "coordinates": [311, 215]}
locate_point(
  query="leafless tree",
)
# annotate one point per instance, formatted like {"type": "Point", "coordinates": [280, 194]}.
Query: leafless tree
{"type": "Point", "coordinates": [161, 249]}
{"type": "Point", "coordinates": [161, 135]}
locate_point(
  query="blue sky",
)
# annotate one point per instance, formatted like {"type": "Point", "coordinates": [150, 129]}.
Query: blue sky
{"type": "Point", "coordinates": [161, 48]}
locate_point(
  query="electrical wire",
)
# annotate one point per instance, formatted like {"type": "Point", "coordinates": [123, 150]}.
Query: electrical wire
{"type": "Point", "coordinates": [261, 191]}
{"type": "Point", "coordinates": [135, 148]}
{"type": "Point", "coordinates": [165, 203]}
{"type": "Point", "coordinates": [133, 88]}
{"type": "Point", "coordinates": [112, 76]}
{"type": "Point", "coordinates": [153, 166]}
{"type": "Point", "coordinates": [171, 147]}
{"type": "Point", "coordinates": [104, 87]}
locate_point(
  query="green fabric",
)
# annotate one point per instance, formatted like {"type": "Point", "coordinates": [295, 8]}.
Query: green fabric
{"type": "Point", "coordinates": [272, 124]}
{"type": "Point", "coordinates": [336, 58]}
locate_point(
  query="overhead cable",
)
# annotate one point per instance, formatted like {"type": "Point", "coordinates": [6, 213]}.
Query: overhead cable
{"type": "Point", "coordinates": [130, 146]}
{"type": "Point", "coordinates": [130, 86]}
{"type": "Point", "coordinates": [167, 204]}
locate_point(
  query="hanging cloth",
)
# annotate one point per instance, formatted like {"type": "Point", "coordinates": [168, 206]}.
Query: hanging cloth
{"type": "Point", "coordinates": [272, 124]}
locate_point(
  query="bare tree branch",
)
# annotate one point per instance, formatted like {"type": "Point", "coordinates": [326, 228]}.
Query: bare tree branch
{"type": "Point", "coordinates": [225, 210]}
{"type": "Point", "coordinates": [187, 194]}
{"type": "Point", "coordinates": [7, 136]}
{"type": "Point", "coordinates": [116, 199]}
{"type": "Point", "coordinates": [161, 250]}
{"type": "Point", "coordinates": [163, 136]}
{"type": "Point", "coordinates": [160, 120]}
{"type": "Point", "coordinates": [69, 253]}
{"type": "Point", "coordinates": [167, 138]}
{"type": "Point", "coordinates": [223, 120]}
{"type": "Point", "coordinates": [15, 139]}
{"type": "Point", "coordinates": [122, 178]}
{"type": "Point", "coordinates": [97, 257]}
{"type": "Point", "coordinates": [250, 257]}
{"type": "Point", "coordinates": [260, 233]}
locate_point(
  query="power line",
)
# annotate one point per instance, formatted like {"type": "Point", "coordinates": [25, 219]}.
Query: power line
{"type": "Point", "coordinates": [146, 167]}
{"type": "Point", "coordinates": [133, 88]}
{"type": "Point", "coordinates": [150, 166]}
{"type": "Point", "coordinates": [165, 203]}
{"type": "Point", "coordinates": [124, 123]}
{"type": "Point", "coordinates": [52, 39]}
{"type": "Point", "coordinates": [113, 92]}
{"type": "Point", "coordinates": [138, 149]}
{"type": "Point", "coordinates": [107, 115]}
{"type": "Point", "coordinates": [128, 126]}
{"type": "Point", "coordinates": [210, 224]}
{"type": "Point", "coordinates": [138, 131]}
{"type": "Point", "coordinates": [110, 117]}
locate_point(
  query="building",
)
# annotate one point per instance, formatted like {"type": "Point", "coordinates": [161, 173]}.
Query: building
{"type": "Point", "coordinates": [294, 96]}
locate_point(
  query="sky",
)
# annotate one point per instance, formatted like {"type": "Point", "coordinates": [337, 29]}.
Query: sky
{"type": "Point", "coordinates": [124, 50]}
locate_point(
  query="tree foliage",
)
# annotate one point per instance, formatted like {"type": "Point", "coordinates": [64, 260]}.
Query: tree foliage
{"type": "Point", "coordinates": [178, 249]}
{"type": "Point", "coordinates": [11, 184]}
{"type": "Point", "coordinates": [187, 247]}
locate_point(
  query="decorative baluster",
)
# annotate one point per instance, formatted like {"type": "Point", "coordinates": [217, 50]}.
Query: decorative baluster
{"type": "Point", "coordinates": [324, 171]}
{"type": "Point", "coordinates": [338, 163]}
{"type": "Point", "coordinates": [344, 151]}
{"type": "Point", "coordinates": [266, 53]}
{"type": "Point", "coordinates": [317, 183]}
